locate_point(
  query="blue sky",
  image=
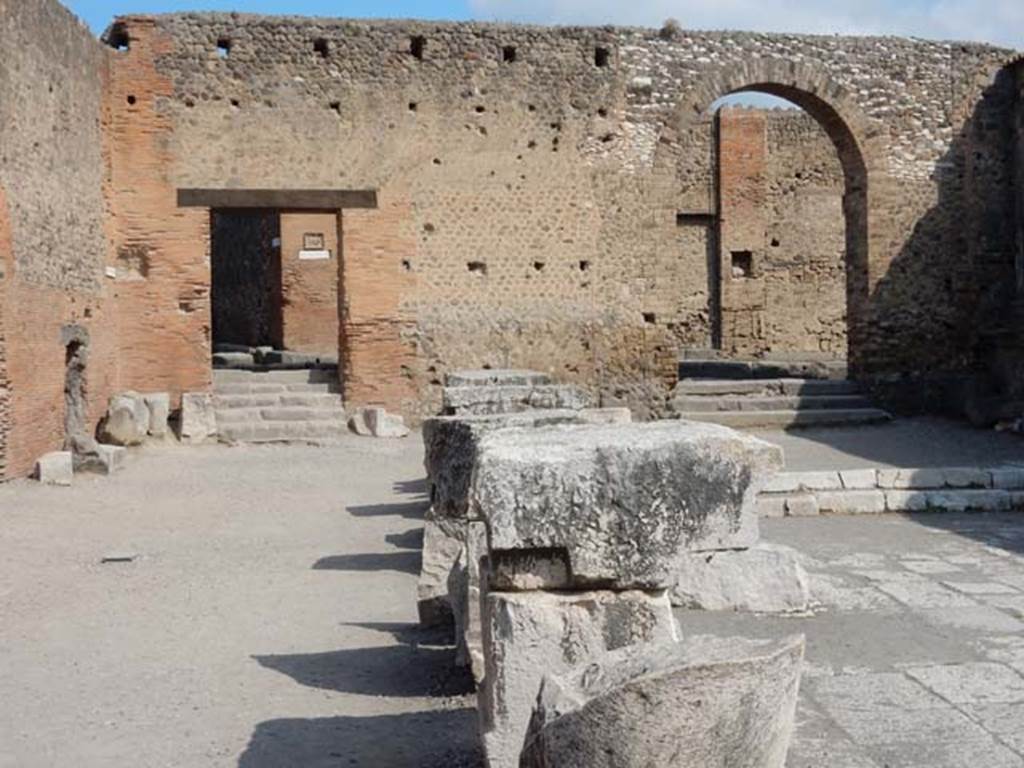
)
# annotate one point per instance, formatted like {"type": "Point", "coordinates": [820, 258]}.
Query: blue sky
{"type": "Point", "coordinates": [996, 21]}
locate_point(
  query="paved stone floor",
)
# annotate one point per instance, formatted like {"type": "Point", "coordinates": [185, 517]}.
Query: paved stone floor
{"type": "Point", "coordinates": [917, 442]}
{"type": "Point", "coordinates": [268, 621]}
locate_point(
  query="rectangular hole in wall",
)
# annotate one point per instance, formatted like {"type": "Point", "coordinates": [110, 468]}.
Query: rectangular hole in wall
{"type": "Point", "coordinates": [223, 47]}
{"type": "Point", "coordinates": [742, 264]}
{"type": "Point", "coordinates": [477, 267]}
{"type": "Point", "coordinates": [418, 46]}
{"type": "Point", "coordinates": [118, 37]}
{"type": "Point", "coordinates": [602, 56]}
{"type": "Point", "coordinates": [321, 47]}
{"type": "Point", "coordinates": [508, 54]}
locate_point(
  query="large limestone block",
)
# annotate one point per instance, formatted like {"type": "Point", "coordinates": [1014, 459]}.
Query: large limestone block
{"type": "Point", "coordinates": [495, 399]}
{"type": "Point", "coordinates": [198, 419]}
{"type": "Point", "coordinates": [441, 552]}
{"type": "Point", "coordinates": [127, 420]}
{"type": "Point", "coordinates": [763, 579]}
{"type": "Point", "coordinates": [55, 468]}
{"type": "Point", "coordinates": [623, 501]}
{"type": "Point", "coordinates": [527, 635]}
{"type": "Point", "coordinates": [502, 377]}
{"type": "Point", "coordinates": [158, 404]}
{"type": "Point", "coordinates": [702, 703]}
{"type": "Point", "coordinates": [450, 448]}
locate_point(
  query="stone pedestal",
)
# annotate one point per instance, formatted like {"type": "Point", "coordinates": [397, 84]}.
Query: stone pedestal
{"type": "Point", "coordinates": [529, 634]}
{"type": "Point", "coordinates": [55, 468]}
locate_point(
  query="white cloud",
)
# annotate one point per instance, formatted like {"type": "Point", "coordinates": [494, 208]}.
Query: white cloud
{"type": "Point", "coordinates": [996, 21]}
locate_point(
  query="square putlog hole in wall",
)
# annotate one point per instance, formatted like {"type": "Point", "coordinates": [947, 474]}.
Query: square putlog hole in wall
{"type": "Point", "coordinates": [742, 264]}
{"type": "Point", "coordinates": [508, 54]}
{"type": "Point", "coordinates": [322, 48]}
{"type": "Point", "coordinates": [477, 267]}
{"type": "Point", "coordinates": [418, 46]}
{"type": "Point", "coordinates": [602, 56]}
{"type": "Point", "coordinates": [223, 47]}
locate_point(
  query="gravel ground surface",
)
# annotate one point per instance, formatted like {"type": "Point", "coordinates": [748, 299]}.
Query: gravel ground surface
{"type": "Point", "coordinates": [268, 620]}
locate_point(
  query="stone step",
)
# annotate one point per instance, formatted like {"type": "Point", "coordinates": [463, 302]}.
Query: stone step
{"type": "Point", "coordinates": [283, 431]}
{"type": "Point", "coordinates": [273, 399]}
{"type": "Point", "coordinates": [268, 388]}
{"type": "Point", "coordinates": [766, 387]}
{"type": "Point", "coordinates": [300, 376]}
{"type": "Point", "coordinates": [788, 419]}
{"type": "Point", "coordinates": [715, 368]}
{"type": "Point", "coordinates": [705, 404]}
{"type": "Point", "coordinates": [277, 413]}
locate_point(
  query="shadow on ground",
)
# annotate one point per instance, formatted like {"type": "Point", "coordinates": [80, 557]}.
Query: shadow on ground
{"type": "Point", "coordinates": [413, 510]}
{"type": "Point", "coordinates": [418, 667]}
{"type": "Point", "coordinates": [402, 562]}
{"type": "Point", "coordinates": [1004, 530]}
{"type": "Point", "coordinates": [438, 739]}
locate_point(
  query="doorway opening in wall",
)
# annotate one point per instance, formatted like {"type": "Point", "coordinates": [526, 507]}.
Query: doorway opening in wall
{"type": "Point", "coordinates": [780, 270]}
{"type": "Point", "coordinates": [274, 288]}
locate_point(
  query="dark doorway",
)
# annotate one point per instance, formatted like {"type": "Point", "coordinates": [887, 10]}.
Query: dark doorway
{"type": "Point", "coordinates": [245, 267]}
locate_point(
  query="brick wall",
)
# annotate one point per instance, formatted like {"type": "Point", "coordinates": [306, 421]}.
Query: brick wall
{"type": "Point", "coordinates": [530, 208]}
{"type": "Point", "coordinates": [309, 287]}
{"type": "Point", "coordinates": [53, 247]}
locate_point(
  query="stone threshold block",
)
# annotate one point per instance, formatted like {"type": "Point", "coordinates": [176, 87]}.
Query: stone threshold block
{"type": "Point", "coordinates": [622, 502]}
{"type": "Point", "coordinates": [55, 468]}
{"type": "Point", "coordinates": [705, 702]}
{"type": "Point", "coordinates": [763, 579]}
{"type": "Point", "coordinates": [527, 635]}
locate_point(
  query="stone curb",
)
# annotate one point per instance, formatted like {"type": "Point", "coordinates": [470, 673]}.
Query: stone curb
{"type": "Point", "coordinates": [875, 491]}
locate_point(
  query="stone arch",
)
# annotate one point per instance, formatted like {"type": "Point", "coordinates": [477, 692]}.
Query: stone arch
{"type": "Point", "coordinates": [862, 150]}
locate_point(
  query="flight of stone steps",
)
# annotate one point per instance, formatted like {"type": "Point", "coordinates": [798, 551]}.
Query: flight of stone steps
{"type": "Point", "coordinates": [748, 395]}
{"type": "Point", "coordinates": [278, 406]}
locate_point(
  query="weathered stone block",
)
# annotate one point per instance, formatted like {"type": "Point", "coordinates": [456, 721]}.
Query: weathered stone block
{"type": "Point", "coordinates": [159, 406]}
{"type": "Point", "coordinates": [198, 419]}
{"type": "Point", "coordinates": [702, 703]}
{"type": "Point", "coordinates": [127, 420]}
{"type": "Point", "coordinates": [450, 448]}
{"type": "Point", "coordinates": [622, 501]}
{"type": "Point", "coordinates": [802, 505]}
{"type": "Point", "coordinates": [529, 634]}
{"type": "Point", "coordinates": [787, 482]}
{"type": "Point", "coordinates": [440, 553]}
{"type": "Point", "coordinates": [483, 400]}
{"type": "Point", "coordinates": [858, 479]}
{"type": "Point", "coordinates": [377, 422]}
{"type": "Point", "coordinates": [500, 377]}
{"type": "Point", "coordinates": [55, 468]}
{"type": "Point", "coordinates": [906, 501]}
{"type": "Point", "coordinates": [763, 579]}
{"type": "Point", "coordinates": [851, 502]}
{"type": "Point", "coordinates": [961, 500]}
{"type": "Point", "coordinates": [771, 505]}
{"type": "Point", "coordinates": [1008, 478]}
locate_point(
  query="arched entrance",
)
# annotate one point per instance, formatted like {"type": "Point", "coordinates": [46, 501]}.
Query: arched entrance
{"type": "Point", "coordinates": [858, 145]}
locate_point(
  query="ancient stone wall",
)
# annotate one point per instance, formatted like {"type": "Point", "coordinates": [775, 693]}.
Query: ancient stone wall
{"type": "Point", "coordinates": [543, 191]}
{"type": "Point", "coordinates": [53, 247]}
{"type": "Point", "coordinates": [783, 234]}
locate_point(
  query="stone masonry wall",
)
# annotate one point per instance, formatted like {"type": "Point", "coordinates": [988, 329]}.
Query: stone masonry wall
{"type": "Point", "coordinates": [781, 204]}
{"type": "Point", "coordinates": [53, 247]}
{"type": "Point", "coordinates": [531, 182]}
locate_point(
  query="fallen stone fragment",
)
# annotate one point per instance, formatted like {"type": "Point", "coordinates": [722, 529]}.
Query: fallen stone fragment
{"type": "Point", "coordinates": [127, 420]}
{"type": "Point", "coordinates": [764, 579]}
{"type": "Point", "coordinates": [623, 501]}
{"type": "Point", "coordinates": [377, 422]}
{"type": "Point", "coordinates": [702, 703]}
{"type": "Point", "coordinates": [159, 406]}
{"type": "Point", "coordinates": [529, 634]}
{"type": "Point", "coordinates": [55, 468]}
{"type": "Point", "coordinates": [198, 419]}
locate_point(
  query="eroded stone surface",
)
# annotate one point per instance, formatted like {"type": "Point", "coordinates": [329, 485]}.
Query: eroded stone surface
{"type": "Point", "coordinates": [623, 501]}
{"type": "Point", "coordinates": [702, 703]}
{"type": "Point", "coordinates": [766, 578]}
{"type": "Point", "coordinates": [127, 420]}
{"type": "Point", "coordinates": [441, 551]}
{"type": "Point", "coordinates": [529, 634]}
{"type": "Point", "coordinates": [501, 377]}
{"type": "Point", "coordinates": [159, 406]}
{"type": "Point", "coordinates": [198, 419]}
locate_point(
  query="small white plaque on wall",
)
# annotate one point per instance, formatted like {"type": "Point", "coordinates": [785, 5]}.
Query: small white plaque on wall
{"type": "Point", "coordinates": [314, 255]}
